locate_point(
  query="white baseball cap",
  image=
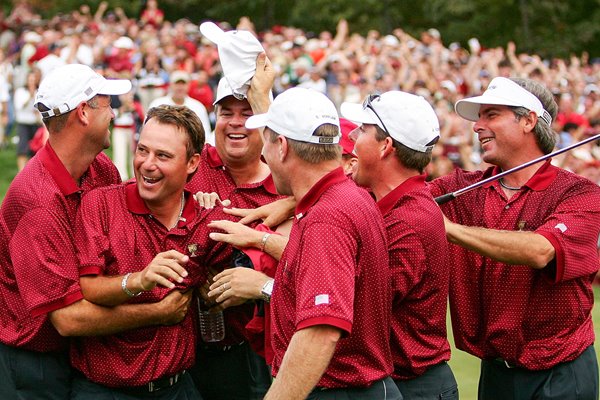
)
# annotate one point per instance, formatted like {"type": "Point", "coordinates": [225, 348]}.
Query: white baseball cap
{"type": "Point", "coordinates": [224, 90]}
{"type": "Point", "coordinates": [238, 51]}
{"type": "Point", "coordinates": [63, 89]}
{"type": "Point", "coordinates": [504, 92]}
{"type": "Point", "coordinates": [407, 118]}
{"type": "Point", "coordinates": [124, 42]}
{"type": "Point", "coordinates": [297, 113]}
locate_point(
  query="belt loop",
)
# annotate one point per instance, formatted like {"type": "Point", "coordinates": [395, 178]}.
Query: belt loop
{"type": "Point", "coordinates": [151, 386]}
{"type": "Point", "coordinates": [507, 364]}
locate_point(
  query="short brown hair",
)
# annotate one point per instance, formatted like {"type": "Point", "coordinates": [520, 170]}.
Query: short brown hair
{"type": "Point", "coordinates": [181, 117]}
{"type": "Point", "coordinates": [408, 157]}
{"type": "Point", "coordinates": [315, 153]}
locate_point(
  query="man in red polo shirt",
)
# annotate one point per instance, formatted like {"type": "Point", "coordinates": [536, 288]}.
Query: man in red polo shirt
{"type": "Point", "coordinates": [330, 304]}
{"type": "Point", "coordinates": [394, 145]}
{"type": "Point", "coordinates": [39, 289]}
{"type": "Point", "coordinates": [137, 242]}
{"type": "Point", "coordinates": [234, 170]}
{"type": "Point", "coordinates": [525, 253]}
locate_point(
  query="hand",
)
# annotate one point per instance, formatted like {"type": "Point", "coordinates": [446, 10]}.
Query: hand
{"type": "Point", "coordinates": [174, 306]}
{"type": "Point", "coordinates": [164, 268]}
{"type": "Point", "coordinates": [234, 286]}
{"type": "Point", "coordinates": [204, 289]}
{"type": "Point", "coordinates": [272, 214]}
{"type": "Point", "coordinates": [261, 85]}
{"type": "Point", "coordinates": [209, 200]}
{"type": "Point", "coordinates": [236, 234]}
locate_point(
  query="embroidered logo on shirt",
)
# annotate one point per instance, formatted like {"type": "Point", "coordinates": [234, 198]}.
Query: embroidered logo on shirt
{"type": "Point", "coordinates": [321, 299]}
{"type": "Point", "coordinates": [562, 227]}
{"type": "Point", "coordinates": [192, 249]}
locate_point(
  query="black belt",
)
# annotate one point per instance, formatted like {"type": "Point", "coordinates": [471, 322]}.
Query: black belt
{"type": "Point", "coordinates": [212, 348]}
{"type": "Point", "coordinates": [506, 363]}
{"type": "Point", "coordinates": [155, 385]}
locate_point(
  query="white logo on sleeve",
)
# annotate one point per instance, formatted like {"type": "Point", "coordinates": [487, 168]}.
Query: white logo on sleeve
{"type": "Point", "coordinates": [321, 299]}
{"type": "Point", "coordinates": [562, 227]}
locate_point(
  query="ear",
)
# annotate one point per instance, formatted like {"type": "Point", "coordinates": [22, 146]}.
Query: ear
{"type": "Point", "coordinates": [529, 121]}
{"type": "Point", "coordinates": [283, 147]}
{"type": "Point", "coordinates": [192, 164]}
{"type": "Point", "coordinates": [386, 147]}
{"type": "Point", "coordinates": [82, 112]}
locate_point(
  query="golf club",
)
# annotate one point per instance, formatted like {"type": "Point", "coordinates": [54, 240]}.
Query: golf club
{"type": "Point", "coordinates": [451, 196]}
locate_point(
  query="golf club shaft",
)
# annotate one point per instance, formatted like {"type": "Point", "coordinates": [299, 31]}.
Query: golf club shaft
{"type": "Point", "coordinates": [451, 196]}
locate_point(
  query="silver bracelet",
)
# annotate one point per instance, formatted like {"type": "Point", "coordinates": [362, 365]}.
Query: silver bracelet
{"type": "Point", "coordinates": [124, 286]}
{"type": "Point", "coordinates": [263, 242]}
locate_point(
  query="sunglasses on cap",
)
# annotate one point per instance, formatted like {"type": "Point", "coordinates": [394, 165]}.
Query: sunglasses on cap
{"type": "Point", "coordinates": [368, 103]}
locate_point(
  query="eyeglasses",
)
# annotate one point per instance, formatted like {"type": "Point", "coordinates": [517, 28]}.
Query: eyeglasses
{"type": "Point", "coordinates": [368, 103]}
{"type": "Point", "coordinates": [96, 104]}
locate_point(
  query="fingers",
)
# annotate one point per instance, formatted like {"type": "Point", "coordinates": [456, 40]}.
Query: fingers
{"type": "Point", "coordinates": [207, 200]}
{"type": "Point", "coordinates": [238, 212]}
{"type": "Point", "coordinates": [225, 203]}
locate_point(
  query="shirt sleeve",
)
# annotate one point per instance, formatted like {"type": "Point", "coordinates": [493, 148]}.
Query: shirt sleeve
{"type": "Point", "coordinates": [327, 276]}
{"type": "Point", "coordinates": [91, 234]}
{"type": "Point", "coordinates": [407, 258]}
{"type": "Point", "coordinates": [44, 261]}
{"type": "Point", "coordinates": [573, 230]}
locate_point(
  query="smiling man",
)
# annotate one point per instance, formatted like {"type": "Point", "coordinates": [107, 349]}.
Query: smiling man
{"type": "Point", "coordinates": [521, 278]}
{"type": "Point", "coordinates": [235, 171]}
{"type": "Point", "coordinates": [138, 242]}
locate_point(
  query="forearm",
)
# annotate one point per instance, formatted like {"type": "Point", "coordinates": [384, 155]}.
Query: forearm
{"type": "Point", "coordinates": [510, 247]}
{"type": "Point", "coordinates": [108, 290]}
{"type": "Point", "coordinates": [275, 245]}
{"type": "Point", "coordinates": [87, 319]}
{"type": "Point", "coordinates": [305, 360]}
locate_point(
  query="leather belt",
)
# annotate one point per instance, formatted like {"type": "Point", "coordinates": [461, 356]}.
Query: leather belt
{"type": "Point", "coordinates": [155, 385]}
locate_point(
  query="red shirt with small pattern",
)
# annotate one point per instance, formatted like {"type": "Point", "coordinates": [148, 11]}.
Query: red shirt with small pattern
{"type": "Point", "coordinates": [117, 234]}
{"type": "Point", "coordinates": [532, 318]}
{"type": "Point", "coordinates": [38, 259]}
{"type": "Point", "coordinates": [334, 271]}
{"type": "Point", "coordinates": [212, 176]}
{"type": "Point", "coordinates": [418, 252]}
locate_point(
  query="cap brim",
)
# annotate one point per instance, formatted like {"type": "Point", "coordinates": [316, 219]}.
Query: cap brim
{"type": "Point", "coordinates": [257, 121]}
{"type": "Point", "coordinates": [355, 113]}
{"type": "Point", "coordinates": [212, 32]}
{"type": "Point", "coordinates": [115, 87]}
{"type": "Point", "coordinates": [469, 108]}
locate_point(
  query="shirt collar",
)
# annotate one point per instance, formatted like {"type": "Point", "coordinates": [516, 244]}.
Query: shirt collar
{"type": "Point", "coordinates": [57, 170]}
{"type": "Point", "coordinates": [542, 178]}
{"type": "Point", "coordinates": [315, 192]}
{"type": "Point", "coordinates": [136, 205]}
{"type": "Point", "coordinates": [388, 201]}
{"type": "Point", "coordinates": [214, 161]}
{"type": "Point", "coordinates": [212, 156]}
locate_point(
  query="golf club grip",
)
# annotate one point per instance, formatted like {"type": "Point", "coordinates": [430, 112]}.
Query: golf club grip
{"type": "Point", "coordinates": [443, 199]}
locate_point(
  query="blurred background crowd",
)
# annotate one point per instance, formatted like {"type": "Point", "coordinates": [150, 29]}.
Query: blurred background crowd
{"type": "Point", "coordinates": [171, 60]}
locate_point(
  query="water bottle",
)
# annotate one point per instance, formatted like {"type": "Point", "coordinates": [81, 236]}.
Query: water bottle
{"type": "Point", "coordinates": [212, 324]}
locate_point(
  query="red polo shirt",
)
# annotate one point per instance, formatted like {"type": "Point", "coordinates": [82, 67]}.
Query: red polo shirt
{"type": "Point", "coordinates": [418, 252]}
{"type": "Point", "coordinates": [212, 176]}
{"type": "Point", "coordinates": [533, 318]}
{"type": "Point", "coordinates": [37, 257]}
{"type": "Point", "coordinates": [116, 234]}
{"type": "Point", "coordinates": [334, 271]}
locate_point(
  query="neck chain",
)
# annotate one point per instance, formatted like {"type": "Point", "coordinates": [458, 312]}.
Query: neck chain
{"type": "Point", "coordinates": [180, 211]}
{"type": "Point", "coordinates": [505, 186]}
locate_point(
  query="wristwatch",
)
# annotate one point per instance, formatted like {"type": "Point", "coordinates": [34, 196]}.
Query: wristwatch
{"type": "Point", "coordinates": [267, 290]}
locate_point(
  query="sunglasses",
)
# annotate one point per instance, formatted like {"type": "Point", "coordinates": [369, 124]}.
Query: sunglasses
{"type": "Point", "coordinates": [368, 103]}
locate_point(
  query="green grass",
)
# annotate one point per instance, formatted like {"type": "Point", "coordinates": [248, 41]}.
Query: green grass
{"type": "Point", "coordinates": [465, 366]}
{"type": "Point", "coordinates": [8, 168]}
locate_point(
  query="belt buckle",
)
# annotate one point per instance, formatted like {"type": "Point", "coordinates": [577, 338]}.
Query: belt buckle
{"type": "Point", "coordinates": [151, 386]}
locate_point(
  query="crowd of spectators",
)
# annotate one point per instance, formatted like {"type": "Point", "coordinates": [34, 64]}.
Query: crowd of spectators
{"type": "Point", "coordinates": [345, 66]}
